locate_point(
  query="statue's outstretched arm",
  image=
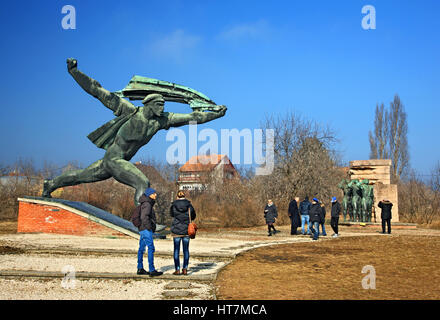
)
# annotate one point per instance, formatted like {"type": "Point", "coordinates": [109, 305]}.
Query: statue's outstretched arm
{"type": "Point", "coordinates": [181, 119]}
{"type": "Point", "coordinates": [94, 88]}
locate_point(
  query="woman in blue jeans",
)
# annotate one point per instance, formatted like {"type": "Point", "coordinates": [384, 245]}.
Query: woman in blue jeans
{"type": "Point", "coordinates": [180, 210]}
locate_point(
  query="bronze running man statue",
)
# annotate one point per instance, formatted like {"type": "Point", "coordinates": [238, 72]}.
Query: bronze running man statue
{"type": "Point", "coordinates": [123, 136]}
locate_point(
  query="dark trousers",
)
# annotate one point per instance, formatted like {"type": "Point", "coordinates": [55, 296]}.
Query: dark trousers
{"type": "Point", "coordinates": [334, 221]}
{"type": "Point", "coordinates": [270, 226]}
{"type": "Point", "coordinates": [293, 225]}
{"type": "Point", "coordinates": [388, 222]}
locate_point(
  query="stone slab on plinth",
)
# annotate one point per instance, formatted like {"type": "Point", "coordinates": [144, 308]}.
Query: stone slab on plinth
{"type": "Point", "coordinates": [375, 170]}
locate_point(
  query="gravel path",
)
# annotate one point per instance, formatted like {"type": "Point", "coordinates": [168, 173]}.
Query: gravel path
{"type": "Point", "coordinates": [31, 289]}
{"type": "Point", "coordinates": [81, 263]}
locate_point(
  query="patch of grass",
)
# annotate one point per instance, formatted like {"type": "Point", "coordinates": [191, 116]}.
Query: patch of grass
{"type": "Point", "coordinates": [8, 226]}
{"type": "Point", "coordinates": [407, 267]}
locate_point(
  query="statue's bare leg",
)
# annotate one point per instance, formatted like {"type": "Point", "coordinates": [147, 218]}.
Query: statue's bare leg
{"type": "Point", "coordinates": [94, 172]}
{"type": "Point", "coordinates": [127, 173]}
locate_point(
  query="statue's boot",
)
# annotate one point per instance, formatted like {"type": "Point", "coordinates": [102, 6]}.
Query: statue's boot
{"type": "Point", "coordinates": [47, 189]}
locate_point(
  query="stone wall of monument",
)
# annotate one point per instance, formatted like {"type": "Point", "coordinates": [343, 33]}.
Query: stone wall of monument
{"type": "Point", "coordinates": [378, 172]}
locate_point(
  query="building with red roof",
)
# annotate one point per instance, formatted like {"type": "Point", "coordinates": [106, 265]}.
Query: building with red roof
{"type": "Point", "coordinates": [199, 171]}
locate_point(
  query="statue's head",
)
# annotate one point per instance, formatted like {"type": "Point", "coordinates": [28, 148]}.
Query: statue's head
{"type": "Point", "coordinates": [155, 102]}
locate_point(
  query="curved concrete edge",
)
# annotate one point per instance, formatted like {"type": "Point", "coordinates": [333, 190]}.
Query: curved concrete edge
{"type": "Point", "coordinates": [61, 250]}
{"type": "Point", "coordinates": [94, 275]}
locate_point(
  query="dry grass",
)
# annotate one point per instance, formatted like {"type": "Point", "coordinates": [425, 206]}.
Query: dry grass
{"type": "Point", "coordinates": [407, 267]}
{"type": "Point", "coordinates": [8, 226]}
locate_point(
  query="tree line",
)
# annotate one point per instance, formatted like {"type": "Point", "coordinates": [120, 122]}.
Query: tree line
{"type": "Point", "coordinates": [419, 199]}
{"type": "Point", "coordinates": [306, 164]}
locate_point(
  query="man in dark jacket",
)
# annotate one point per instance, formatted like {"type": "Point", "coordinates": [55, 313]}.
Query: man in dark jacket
{"type": "Point", "coordinates": [294, 216]}
{"type": "Point", "coordinates": [385, 215]}
{"type": "Point", "coordinates": [304, 208]}
{"type": "Point", "coordinates": [315, 218]}
{"type": "Point", "coordinates": [180, 210]}
{"type": "Point", "coordinates": [334, 221]}
{"type": "Point", "coordinates": [270, 214]}
{"type": "Point", "coordinates": [146, 230]}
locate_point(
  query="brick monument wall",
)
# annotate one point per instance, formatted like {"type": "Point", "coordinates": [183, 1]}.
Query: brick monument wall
{"type": "Point", "coordinates": [33, 217]}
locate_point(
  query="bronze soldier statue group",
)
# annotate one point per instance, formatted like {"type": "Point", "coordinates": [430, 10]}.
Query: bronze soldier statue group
{"type": "Point", "coordinates": [358, 203]}
{"type": "Point", "coordinates": [358, 200]}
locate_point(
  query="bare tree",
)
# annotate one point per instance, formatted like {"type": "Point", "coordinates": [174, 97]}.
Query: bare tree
{"type": "Point", "coordinates": [398, 138]}
{"type": "Point", "coordinates": [419, 200]}
{"type": "Point", "coordinates": [305, 163]}
{"type": "Point", "coordinates": [379, 141]}
{"type": "Point", "coordinates": [390, 137]}
{"type": "Point", "coordinates": [435, 178]}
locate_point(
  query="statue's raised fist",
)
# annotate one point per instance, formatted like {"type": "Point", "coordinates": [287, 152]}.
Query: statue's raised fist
{"type": "Point", "coordinates": [71, 63]}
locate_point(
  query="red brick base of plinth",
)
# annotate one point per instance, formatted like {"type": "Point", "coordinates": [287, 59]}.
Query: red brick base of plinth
{"type": "Point", "coordinates": [33, 218]}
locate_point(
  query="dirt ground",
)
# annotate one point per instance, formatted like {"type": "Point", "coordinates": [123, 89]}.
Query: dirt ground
{"type": "Point", "coordinates": [8, 227]}
{"type": "Point", "coordinates": [406, 267]}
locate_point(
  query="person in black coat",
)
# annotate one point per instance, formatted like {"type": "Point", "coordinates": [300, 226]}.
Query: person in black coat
{"type": "Point", "coordinates": [146, 229]}
{"type": "Point", "coordinates": [385, 215]}
{"type": "Point", "coordinates": [334, 221]}
{"type": "Point", "coordinates": [295, 220]}
{"type": "Point", "coordinates": [315, 218]}
{"type": "Point", "coordinates": [180, 210]}
{"type": "Point", "coordinates": [322, 220]}
{"type": "Point", "coordinates": [270, 214]}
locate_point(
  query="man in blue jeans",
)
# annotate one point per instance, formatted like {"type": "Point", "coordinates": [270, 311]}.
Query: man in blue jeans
{"type": "Point", "coordinates": [315, 217]}
{"type": "Point", "coordinates": [146, 230]}
{"type": "Point", "coordinates": [304, 208]}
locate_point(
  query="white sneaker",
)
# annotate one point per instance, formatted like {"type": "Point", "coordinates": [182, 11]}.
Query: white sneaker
{"type": "Point", "coordinates": [335, 235]}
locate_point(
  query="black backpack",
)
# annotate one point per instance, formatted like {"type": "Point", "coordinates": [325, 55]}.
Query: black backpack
{"type": "Point", "coordinates": [136, 216]}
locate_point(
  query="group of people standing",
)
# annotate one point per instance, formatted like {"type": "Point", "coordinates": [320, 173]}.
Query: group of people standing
{"type": "Point", "coordinates": [313, 214]}
{"type": "Point", "coordinates": [310, 213]}
{"type": "Point", "coordinates": [305, 212]}
{"type": "Point", "coordinates": [181, 210]}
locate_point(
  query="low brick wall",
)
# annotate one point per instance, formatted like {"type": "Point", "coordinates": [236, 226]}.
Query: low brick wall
{"type": "Point", "coordinates": [33, 217]}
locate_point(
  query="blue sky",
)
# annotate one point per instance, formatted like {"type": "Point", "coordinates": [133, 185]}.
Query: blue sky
{"type": "Point", "coordinates": [311, 57]}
